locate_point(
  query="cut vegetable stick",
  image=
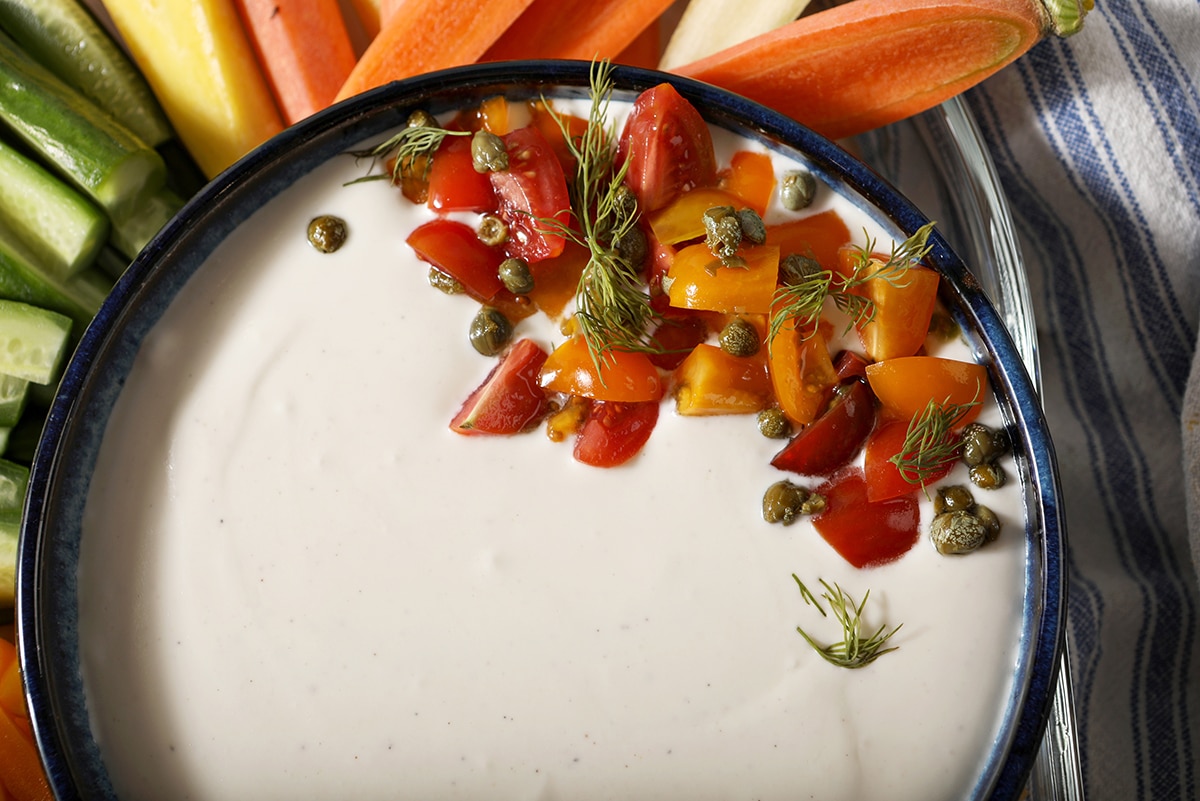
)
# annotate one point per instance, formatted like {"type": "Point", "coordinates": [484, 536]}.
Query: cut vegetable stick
{"type": "Point", "coordinates": [709, 26]}
{"type": "Point", "coordinates": [431, 35]}
{"type": "Point", "coordinates": [644, 50]}
{"type": "Point", "coordinates": [387, 10]}
{"type": "Point", "coordinates": [576, 29]}
{"type": "Point", "coordinates": [202, 68]}
{"type": "Point", "coordinates": [868, 63]}
{"type": "Point", "coordinates": [304, 50]}
{"type": "Point", "coordinates": [367, 12]}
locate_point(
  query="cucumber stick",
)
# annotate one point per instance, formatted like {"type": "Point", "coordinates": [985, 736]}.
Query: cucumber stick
{"type": "Point", "coordinates": [33, 341]}
{"type": "Point", "coordinates": [711, 25]}
{"type": "Point", "coordinates": [14, 481]}
{"type": "Point", "coordinates": [130, 235]}
{"type": "Point", "coordinates": [23, 279]}
{"type": "Point", "coordinates": [8, 563]}
{"type": "Point", "coordinates": [85, 145]}
{"type": "Point", "coordinates": [63, 36]}
{"type": "Point", "coordinates": [14, 393]}
{"type": "Point", "coordinates": [62, 229]}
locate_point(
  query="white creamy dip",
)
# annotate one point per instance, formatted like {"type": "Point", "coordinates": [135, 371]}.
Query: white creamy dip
{"type": "Point", "coordinates": [296, 582]}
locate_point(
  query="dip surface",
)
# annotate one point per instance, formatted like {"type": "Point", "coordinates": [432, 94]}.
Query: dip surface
{"type": "Point", "coordinates": [296, 582]}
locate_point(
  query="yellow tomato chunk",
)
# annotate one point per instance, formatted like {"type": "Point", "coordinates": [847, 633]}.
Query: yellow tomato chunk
{"type": "Point", "coordinates": [698, 280]}
{"type": "Point", "coordinates": [710, 381]}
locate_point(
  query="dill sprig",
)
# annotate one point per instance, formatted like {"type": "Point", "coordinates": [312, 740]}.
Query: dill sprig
{"type": "Point", "coordinates": [801, 302]}
{"type": "Point", "coordinates": [612, 305]}
{"type": "Point", "coordinates": [928, 445]}
{"type": "Point", "coordinates": [857, 648]}
{"type": "Point", "coordinates": [413, 148]}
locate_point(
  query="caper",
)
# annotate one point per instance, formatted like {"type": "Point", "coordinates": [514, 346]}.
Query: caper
{"type": "Point", "coordinates": [488, 153]}
{"type": "Point", "coordinates": [953, 498]}
{"type": "Point", "coordinates": [632, 247]}
{"type": "Point", "coordinates": [990, 520]}
{"type": "Point", "coordinates": [444, 282]}
{"type": "Point", "coordinates": [739, 337]}
{"type": "Point", "coordinates": [981, 444]}
{"type": "Point", "coordinates": [957, 532]}
{"type": "Point", "coordinates": [723, 231]}
{"type": "Point", "coordinates": [327, 233]}
{"type": "Point", "coordinates": [492, 231]}
{"type": "Point", "coordinates": [773, 423]}
{"type": "Point", "coordinates": [988, 475]}
{"type": "Point", "coordinates": [515, 275]}
{"type": "Point", "coordinates": [783, 502]}
{"type": "Point", "coordinates": [942, 326]}
{"type": "Point", "coordinates": [797, 190]}
{"type": "Point", "coordinates": [794, 268]}
{"type": "Point", "coordinates": [814, 504]}
{"type": "Point", "coordinates": [490, 331]}
{"type": "Point", "coordinates": [421, 119]}
{"type": "Point", "coordinates": [626, 201]}
{"type": "Point", "coordinates": [753, 228]}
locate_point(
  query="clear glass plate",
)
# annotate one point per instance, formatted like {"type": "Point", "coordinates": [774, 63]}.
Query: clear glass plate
{"type": "Point", "coordinates": [939, 161]}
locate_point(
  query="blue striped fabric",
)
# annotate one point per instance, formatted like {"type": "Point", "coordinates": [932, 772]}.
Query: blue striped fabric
{"type": "Point", "coordinates": [1096, 141]}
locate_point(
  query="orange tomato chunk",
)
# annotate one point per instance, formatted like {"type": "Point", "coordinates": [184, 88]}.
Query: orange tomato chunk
{"type": "Point", "coordinates": [802, 372]}
{"type": "Point", "coordinates": [623, 375]}
{"type": "Point", "coordinates": [906, 385]}
{"type": "Point", "coordinates": [751, 176]}
{"type": "Point", "coordinates": [683, 218]}
{"type": "Point", "coordinates": [700, 281]}
{"type": "Point", "coordinates": [710, 381]}
{"type": "Point", "coordinates": [819, 235]}
{"type": "Point", "coordinates": [902, 308]}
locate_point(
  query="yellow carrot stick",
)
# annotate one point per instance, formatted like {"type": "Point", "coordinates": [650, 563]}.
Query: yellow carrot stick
{"type": "Point", "coordinates": [202, 68]}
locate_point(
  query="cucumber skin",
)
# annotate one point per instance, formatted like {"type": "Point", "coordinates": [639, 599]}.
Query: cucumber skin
{"type": "Point", "coordinates": [64, 230]}
{"type": "Point", "coordinates": [23, 280]}
{"type": "Point", "coordinates": [14, 394]}
{"type": "Point", "coordinates": [85, 145]}
{"type": "Point", "coordinates": [14, 480]}
{"type": "Point", "coordinates": [65, 37]}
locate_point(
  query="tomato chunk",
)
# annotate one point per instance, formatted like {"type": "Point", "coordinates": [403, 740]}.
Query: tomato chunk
{"type": "Point", "coordinates": [454, 248]}
{"type": "Point", "coordinates": [884, 479]}
{"type": "Point", "coordinates": [510, 399]}
{"type": "Point", "coordinates": [751, 176]}
{"type": "Point", "coordinates": [667, 147]}
{"type": "Point", "coordinates": [454, 184]}
{"type": "Point", "coordinates": [615, 432]}
{"type": "Point", "coordinates": [676, 335]}
{"type": "Point", "coordinates": [864, 532]}
{"type": "Point", "coordinates": [624, 375]}
{"type": "Point", "coordinates": [906, 385]}
{"type": "Point", "coordinates": [819, 236]}
{"type": "Point", "coordinates": [710, 381]}
{"type": "Point", "coordinates": [530, 192]}
{"type": "Point", "coordinates": [801, 372]}
{"type": "Point", "coordinates": [700, 281]}
{"type": "Point", "coordinates": [832, 440]}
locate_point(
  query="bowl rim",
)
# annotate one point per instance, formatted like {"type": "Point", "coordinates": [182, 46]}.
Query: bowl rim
{"type": "Point", "coordinates": [199, 227]}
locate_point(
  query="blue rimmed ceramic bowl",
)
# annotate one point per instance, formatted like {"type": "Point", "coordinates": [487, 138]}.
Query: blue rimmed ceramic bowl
{"type": "Point", "coordinates": [48, 611]}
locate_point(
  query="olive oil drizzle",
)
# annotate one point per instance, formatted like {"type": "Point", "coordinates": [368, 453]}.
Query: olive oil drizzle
{"type": "Point", "coordinates": [612, 305]}
{"type": "Point", "coordinates": [800, 303]}
{"type": "Point", "coordinates": [856, 649]}
{"type": "Point", "coordinates": [928, 446]}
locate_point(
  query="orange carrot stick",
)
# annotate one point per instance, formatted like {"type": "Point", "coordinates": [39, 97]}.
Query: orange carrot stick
{"type": "Point", "coordinates": [868, 63]}
{"type": "Point", "coordinates": [431, 35]}
{"type": "Point", "coordinates": [576, 29]}
{"type": "Point", "coordinates": [21, 774]}
{"type": "Point", "coordinates": [644, 51]}
{"type": "Point", "coordinates": [304, 49]}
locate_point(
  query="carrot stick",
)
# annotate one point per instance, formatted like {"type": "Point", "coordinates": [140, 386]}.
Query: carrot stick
{"type": "Point", "coordinates": [368, 13]}
{"type": "Point", "coordinates": [868, 63]}
{"type": "Point", "coordinates": [21, 774]}
{"type": "Point", "coordinates": [431, 35]}
{"type": "Point", "coordinates": [644, 51]}
{"type": "Point", "coordinates": [576, 29]}
{"type": "Point", "coordinates": [304, 50]}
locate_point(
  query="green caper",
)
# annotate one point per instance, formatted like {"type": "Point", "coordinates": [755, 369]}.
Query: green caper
{"type": "Point", "coordinates": [739, 337]}
{"type": "Point", "coordinates": [632, 246]}
{"type": "Point", "coordinates": [773, 423]}
{"type": "Point", "coordinates": [953, 498]}
{"type": "Point", "coordinates": [814, 504]}
{"type": "Point", "coordinates": [988, 475]}
{"type": "Point", "coordinates": [421, 119]}
{"type": "Point", "coordinates": [990, 520]}
{"type": "Point", "coordinates": [957, 532]}
{"type": "Point", "coordinates": [490, 331]}
{"type": "Point", "coordinates": [327, 233]}
{"type": "Point", "coordinates": [783, 502]}
{"type": "Point", "coordinates": [794, 268]}
{"type": "Point", "coordinates": [444, 282]}
{"type": "Point", "coordinates": [942, 326]}
{"type": "Point", "coordinates": [492, 231]}
{"type": "Point", "coordinates": [797, 190]}
{"type": "Point", "coordinates": [723, 231]}
{"type": "Point", "coordinates": [488, 153]}
{"type": "Point", "coordinates": [753, 228]}
{"type": "Point", "coordinates": [981, 444]}
{"type": "Point", "coordinates": [626, 201]}
{"type": "Point", "coordinates": [515, 275]}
